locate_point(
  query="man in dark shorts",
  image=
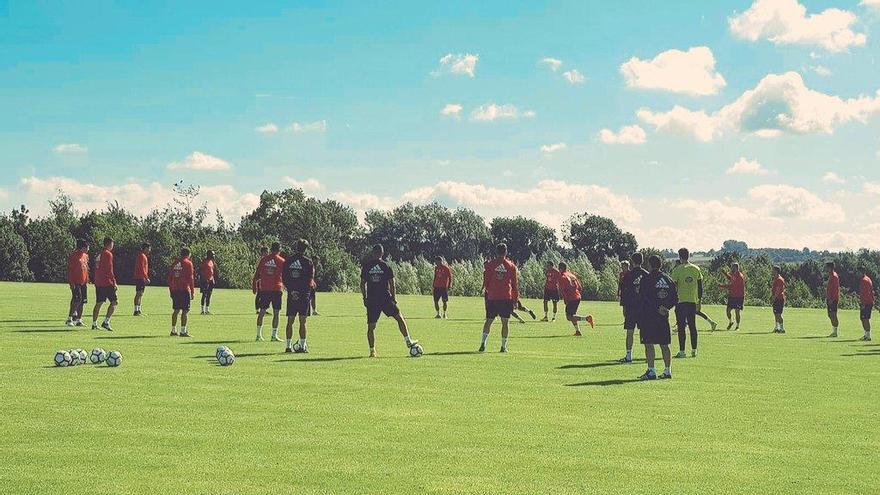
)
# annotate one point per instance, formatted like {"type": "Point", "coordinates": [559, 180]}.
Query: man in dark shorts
{"type": "Point", "coordinates": [141, 276]}
{"type": "Point", "coordinates": [78, 279]}
{"type": "Point", "coordinates": [105, 286]}
{"type": "Point", "coordinates": [866, 301]}
{"type": "Point", "coordinates": [736, 294]}
{"type": "Point", "coordinates": [182, 286]}
{"type": "Point", "coordinates": [268, 286]}
{"type": "Point", "coordinates": [378, 291]}
{"type": "Point", "coordinates": [313, 293]}
{"type": "Point", "coordinates": [501, 281]}
{"type": "Point", "coordinates": [778, 299]}
{"type": "Point", "coordinates": [441, 285]}
{"type": "Point", "coordinates": [832, 296]}
{"type": "Point", "coordinates": [629, 299]}
{"type": "Point", "coordinates": [551, 289]}
{"type": "Point", "coordinates": [570, 288]}
{"type": "Point", "coordinates": [657, 295]}
{"type": "Point", "coordinates": [298, 275]}
{"type": "Point", "coordinates": [264, 251]}
{"type": "Point", "coordinates": [207, 278]}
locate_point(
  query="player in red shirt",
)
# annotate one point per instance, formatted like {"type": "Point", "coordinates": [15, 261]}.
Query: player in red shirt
{"type": "Point", "coordinates": [78, 279]}
{"type": "Point", "coordinates": [551, 289]}
{"type": "Point", "coordinates": [832, 296]}
{"type": "Point", "coordinates": [181, 285]}
{"type": "Point", "coordinates": [442, 284]}
{"type": "Point", "coordinates": [141, 275]}
{"type": "Point", "coordinates": [866, 299]}
{"type": "Point", "coordinates": [570, 288]}
{"type": "Point", "coordinates": [736, 294]}
{"type": "Point", "coordinates": [501, 282]}
{"type": "Point", "coordinates": [207, 276]}
{"type": "Point", "coordinates": [105, 285]}
{"type": "Point", "coordinates": [268, 286]}
{"type": "Point", "coordinates": [778, 299]}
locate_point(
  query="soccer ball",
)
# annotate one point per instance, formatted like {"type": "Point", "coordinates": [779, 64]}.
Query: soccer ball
{"type": "Point", "coordinates": [63, 359]}
{"type": "Point", "coordinates": [226, 358]}
{"type": "Point", "coordinates": [416, 351]}
{"type": "Point", "coordinates": [114, 359]}
{"type": "Point", "coordinates": [98, 356]}
{"type": "Point", "coordinates": [74, 357]}
{"type": "Point", "coordinates": [220, 351]}
{"type": "Point", "coordinates": [297, 347]}
{"type": "Point", "coordinates": [83, 356]}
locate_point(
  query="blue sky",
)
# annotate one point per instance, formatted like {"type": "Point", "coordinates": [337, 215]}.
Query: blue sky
{"type": "Point", "coordinates": [117, 100]}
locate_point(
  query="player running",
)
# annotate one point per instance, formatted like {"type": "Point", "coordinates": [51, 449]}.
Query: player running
{"type": "Point", "coordinates": [500, 278]}
{"type": "Point", "coordinates": [264, 251]}
{"type": "Point", "coordinates": [207, 280]}
{"type": "Point", "coordinates": [551, 289]}
{"type": "Point", "coordinates": [736, 294]}
{"type": "Point", "coordinates": [298, 276]}
{"type": "Point", "coordinates": [78, 279]}
{"type": "Point", "coordinates": [105, 286]}
{"type": "Point", "coordinates": [629, 299]}
{"type": "Point", "coordinates": [689, 284]}
{"type": "Point", "coordinates": [778, 299]}
{"type": "Point", "coordinates": [866, 299]}
{"type": "Point", "coordinates": [570, 288]}
{"type": "Point", "coordinates": [442, 284]}
{"type": "Point", "coordinates": [657, 295]}
{"type": "Point", "coordinates": [181, 286]}
{"type": "Point", "coordinates": [313, 293]}
{"type": "Point", "coordinates": [267, 285]}
{"type": "Point", "coordinates": [141, 275]}
{"type": "Point", "coordinates": [380, 296]}
{"type": "Point", "coordinates": [832, 296]}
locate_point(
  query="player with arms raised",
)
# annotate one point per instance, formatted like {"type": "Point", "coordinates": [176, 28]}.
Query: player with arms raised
{"type": "Point", "coordinates": [736, 294]}
{"type": "Point", "coordinates": [377, 289]}
{"type": "Point", "coordinates": [182, 287]}
{"type": "Point", "coordinates": [500, 278]}
{"type": "Point", "coordinates": [267, 285]}
{"type": "Point", "coordinates": [298, 276]}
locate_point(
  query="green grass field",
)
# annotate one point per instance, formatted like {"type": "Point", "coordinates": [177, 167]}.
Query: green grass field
{"type": "Point", "coordinates": [755, 413]}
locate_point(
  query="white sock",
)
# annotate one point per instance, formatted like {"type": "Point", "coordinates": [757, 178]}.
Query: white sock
{"type": "Point", "coordinates": [407, 340]}
{"type": "Point", "coordinates": [504, 342]}
{"type": "Point", "coordinates": [183, 330]}
{"type": "Point", "coordinates": [629, 354]}
{"type": "Point", "coordinates": [485, 338]}
{"type": "Point", "coordinates": [106, 320]}
{"type": "Point", "coordinates": [668, 370]}
{"type": "Point", "coordinates": [652, 370]}
{"type": "Point", "coordinates": [554, 315]}
{"type": "Point", "coordinates": [259, 330]}
{"type": "Point", "coordinates": [302, 342]}
{"type": "Point", "coordinates": [289, 343]}
{"type": "Point", "coordinates": [173, 329]}
{"type": "Point", "coordinates": [274, 332]}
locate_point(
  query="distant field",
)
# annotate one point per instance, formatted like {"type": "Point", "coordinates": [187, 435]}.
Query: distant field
{"type": "Point", "coordinates": [756, 413]}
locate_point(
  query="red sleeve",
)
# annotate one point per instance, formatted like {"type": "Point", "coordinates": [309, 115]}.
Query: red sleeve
{"type": "Point", "coordinates": [256, 276]}
{"type": "Point", "coordinates": [448, 277]}
{"type": "Point", "coordinates": [192, 277]}
{"type": "Point", "coordinates": [515, 283]}
{"type": "Point", "coordinates": [111, 270]}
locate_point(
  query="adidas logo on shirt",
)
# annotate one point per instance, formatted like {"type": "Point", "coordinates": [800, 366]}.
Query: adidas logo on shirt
{"type": "Point", "coordinates": [662, 284]}
{"type": "Point", "coordinates": [296, 265]}
{"type": "Point", "coordinates": [376, 270]}
{"type": "Point", "coordinates": [271, 264]}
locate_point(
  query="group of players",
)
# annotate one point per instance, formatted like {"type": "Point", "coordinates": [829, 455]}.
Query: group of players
{"type": "Point", "coordinates": [646, 296]}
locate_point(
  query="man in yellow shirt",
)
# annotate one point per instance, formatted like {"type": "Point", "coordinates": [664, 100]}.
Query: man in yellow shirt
{"type": "Point", "coordinates": [689, 282]}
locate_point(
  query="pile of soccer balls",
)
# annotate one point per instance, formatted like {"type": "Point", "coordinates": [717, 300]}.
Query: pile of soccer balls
{"type": "Point", "coordinates": [225, 356]}
{"type": "Point", "coordinates": [76, 357]}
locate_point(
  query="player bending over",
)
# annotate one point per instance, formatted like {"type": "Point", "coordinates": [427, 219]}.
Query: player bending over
{"type": "Point", "coordinates": [208, 276]}
{"type": "Point", "coordinates": [866, 298]}
{"type": "Point", "coordinates": [78, 279]}
{"type": "Point", "coordinates": [182, 286]}
{"type": "Point", "coordinates": [778, 299]}
{"type": "Point", "coordinates": [657, 295]}
{"type": "Point", "coordinates": [299, 273]}
{"type": "Point", "coordinates": [629, 299]}
{"type": "Point", "coordinates": [570, 288]}
{"type": "Point", "coordinates": [380, 296]}
{"type": "Point", "coordinates": [736, 294]}
{"type": "Point", "coordinates": [105, 286]}
{"type": "Point", "coordinates": [267, 285]}
{"type": "Point", "coordinates": [442, 284]}
{"type": "Point", "coordinates": [141, 276]}
{"type": "Point", "coordinates": [832, 296]}
{"type": "Point", "coordinates": [502, 291]}
{"type": "Point", "coordinates": [551, 289]}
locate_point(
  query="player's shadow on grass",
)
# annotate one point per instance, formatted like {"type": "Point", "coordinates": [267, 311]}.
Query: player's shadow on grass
{"type": "Point", "coordinates": [543, 336]}
{"type": "Point", "coordinates": [127, 337]}
{"type": "Point", "coordinates": [243, 355]}
{"type": "Point", "coordinates": [603, 383]}
{"type": "Point", "coordinates": [212, 342]}
{"type": "Point", "coordinates": [28, 321]}
{"type": "Point", "coordinates": [44, 330]}
{"type": "Point", "coordinates": [454, 353]}
{"type": "Point", "coordinates": [866, 352]}
{"type": "Point", "coordinates": [322, 359]}
{"type": "Point", "coordinates": [602, 364]}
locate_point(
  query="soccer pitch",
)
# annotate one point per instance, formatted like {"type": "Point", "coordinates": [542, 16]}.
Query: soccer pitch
{"type": "Point", "coordinates": [754, 413]}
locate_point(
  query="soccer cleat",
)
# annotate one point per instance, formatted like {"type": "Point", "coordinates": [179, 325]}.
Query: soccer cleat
{"type": "Point", "coordinates": [94, 325]}
{"type": "Point", "coordinates": [315, 312]}
{"type": "Point", "coordinates": [666, 376]}
{"type": "Point", "coordinates": [532, 314]}
{"type": "Point", "coordinates": [482, 348]}
{"type": "Point", "coordinates": [833, 335]}
{"type": "Point", "coordinates": [781, 330]}
{"type": "Point", "coordinates": [545, 319]}
{"type": "Point", "coordinates": [136, 313]}
{"type": "Point", "coordinates": [275, 338]}
{"type": "Point", "coordinates": [288, 350]}
{"type": "Point", "coordinates": [503, 350]}
{"type": "Point", "coordinates": [185, 334]}
{"type": "Point", "coordinates": [577, 333]}
{"type": "Point", "coordinates": [694, 353]}
{"type": "Point", "coordinates": [373, 354]}
{"type": "Point", "coordinates": [713, 325]}
{"type": "Point", "coordinates": [625, 360]}
{"type": "Point", "coordinates": [259, 338]}
{"type": "Point", "coordinates": [553, 319]}
{"type": "Point", "coordinates": [589, 320]}
{"type": "Point", "coordinates": [438, 317]}
{"type": "Point", "coordinates": [302, 350]}
{"type": "Point", "coordinates": [106, 326]}
{"type": "Point", "coordinates": [681, 354]}
{"type": "Point", "coordinates": [80, 323]}
{"type": "Point", "coordinates": [648, 375]}
{"type": "Point", "coordinates": [174, 333]}
{"type": "Point", "coordinates": [729, 325]}
{"type": "Point", "coordinates": [412, 343]}
{"type": "Point", "coordinates": [208, 312]}
{"type": "Point", "coordinates": [68, 323]}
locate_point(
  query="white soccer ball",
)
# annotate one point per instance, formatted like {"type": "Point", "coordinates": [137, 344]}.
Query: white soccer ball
{"type": "Point", "coordinates": [226, 358]}
{"type": "Point", "coordinates": [74, 357]}
{"type": "Point", "coordinates": [83, 356]}
{"type": "Point", "coordinates": [220, 351]}
{"type": "Point", "coordinates": [98, 356]}
{"type": "Point", "coordinates": [416, 351]}
{"type": "Point", "coordinates": [297, 347]}
{"type": "Point", "coordinates": [63, 359]}
{"type": "Point", "coordinates": [114, 359]}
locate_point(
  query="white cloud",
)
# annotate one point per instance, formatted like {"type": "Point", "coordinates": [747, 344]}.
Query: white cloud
{"type": "Point", "coordinates": [201, 162]}
{"type": "Point", "coordinates": [458, 64]}
{"type": "Point", "coordinates": [70, 149]}
{"type": "Point", "coordinates": [268, 128]}
{"type": "Point", "coordinates": [574, 76]}
{"type": "Point", "coordinates": [491, 112]}
{"type": "Point", "coordinates": [871, 187]}
{"type": "Point", "coordinates": [691, 72]}
{"type": "Point", "coordinates": [821, 70]}
{"type": "Point", "coordinates": [832, 178]}
{"type": "Point", "coordinates": [549, 149]}
{"type": "Point", "coordinates": [308, 185]}
{"type": "Point", "coordinates": [316, 126]}
{"type": "Point", "coordinates": [632, 134]}
{"type": "Point", "coordinates": [451, 110]}
{"type": "Point", "coordinates": [4, 194]}
{"type": "Point", "coordinates": [744, 166]}
{"type": "Point", "coordinates": [789, 202]}
{"type": "Point", "coordinates": [785, 22]}
{"type": "Point", "coordinates": [870, 4]}
{"type": "Point", "coordinates": [553, 63]}
{"type": "Point", "coordinates": [779, 103]}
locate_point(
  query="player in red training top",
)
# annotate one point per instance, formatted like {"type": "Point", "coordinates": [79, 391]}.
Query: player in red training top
{"type": "Point", "coordinates": [551, 289]}
{"type": "Point", "coordinates": [141, 275]}
{"type": "Point", "coordinates": [268, 286]}
{"type": "Point", "coordinates": [181, 285]}
{"type": "Point", "coordinates": [207, 276]}
{"type": "Point", "coordinates": [866, 298]}
{"type": "Point", "coordinates": [736, 294]}
{"type": "Point", "coordinates": [105, 285]}
{"type": "Point", "coordinates": [570, 289]}
{"type": "Point", "coordinates": [441, 285]}
{"type": "Point", "coordinates": [78, 279]}
{"type": "Point", "coordinates": [778, 299]}
{"type": "Point", "coordinates": [500, 278]}
{"type": "Point", "coordinates": [832, 296]}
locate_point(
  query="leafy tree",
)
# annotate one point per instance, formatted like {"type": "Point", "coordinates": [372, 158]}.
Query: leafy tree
{"type": "Point", "coordinates": [13, 253]}
{"type": "Point", "coordinates": [525, 237]}
{"type": "Point", "coordinates": [48, 245]}
{"type": "Point", "coordinates": [598, 238]}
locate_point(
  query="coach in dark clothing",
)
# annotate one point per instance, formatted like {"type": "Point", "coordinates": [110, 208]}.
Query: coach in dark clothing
{"type": "Point", "coordinates": [657, 295]}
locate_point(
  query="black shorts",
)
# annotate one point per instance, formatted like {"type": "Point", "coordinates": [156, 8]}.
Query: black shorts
{"type": "Point", "coordinates": [441, 293]}
{"type": "Point", "coordinates": [658, 332]}
{"type": "Point", "coordinates": [686, 315]}
{"type": "Point", "coordinates": [103, 294]}
{"type": "Point", "coordinates": [735, 303]}
{"type": "Point", "coordinates": [865, 313]}
{"type": "Point", "coordinates": [376, 308]}
{"type": "Point", "coordinates": [551, 295]}
{"type": "Point", "coordinates": [140, 285]}
{"type": "Point", "coordinates": [778, 306]}
{"type": "Point", "coordinates": [832, 306]}
{"type": "Point", "coordinates": [571, 307]}
{"type": "Point", "coordinates": [207, 286]}
{"type": "Point", "coordinates": [298, 303]}
{"type": "Point", "coordinates": [180, 300]}
{"type": "Point", "coordinates": [499, 309]}
{"type": "Point", "coordinates": [79, 293]}
{"type": "Point", "coordinates": [266, 298]}
{"type": "Point", "coordinates": [630, 317]}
